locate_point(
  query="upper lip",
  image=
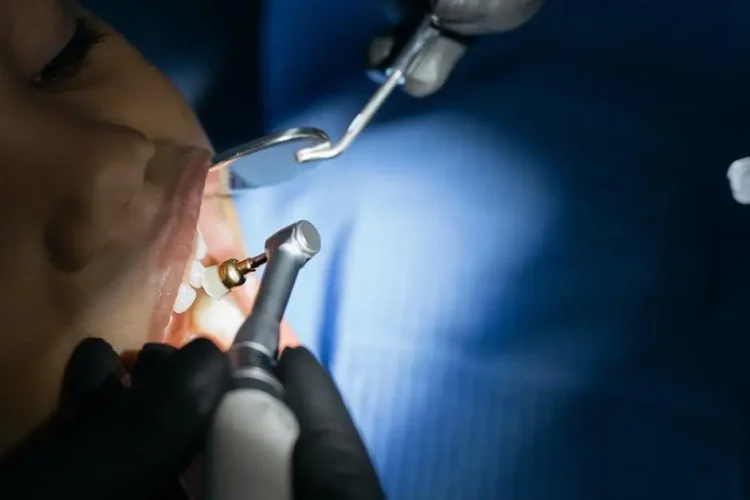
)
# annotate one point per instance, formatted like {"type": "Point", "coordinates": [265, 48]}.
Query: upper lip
{"type": "Point", "coordinates": [177, 222]}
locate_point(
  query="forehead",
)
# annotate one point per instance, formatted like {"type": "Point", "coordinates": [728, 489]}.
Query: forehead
{"type": "Point", "coordinates": [33, 31]}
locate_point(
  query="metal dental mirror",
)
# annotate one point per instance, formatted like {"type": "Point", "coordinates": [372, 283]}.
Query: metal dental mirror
{"type": "Point", "coordinates": [279, 157]}
{"type": "Point", "coordinates": [272, 159]}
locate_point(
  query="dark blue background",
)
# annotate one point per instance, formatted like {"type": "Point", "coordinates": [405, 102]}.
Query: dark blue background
{"type": "Point", "coordinates": [534, 284]}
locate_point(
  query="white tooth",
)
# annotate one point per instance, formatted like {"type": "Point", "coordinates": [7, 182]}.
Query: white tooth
{"type": "Point", "coordinates": [196, 274]}
{"type": "Point", "coordinates": [219, 318]}
{"type": "Point", "coordinates": [185, 298]}
{"type": "Point", "coordinates": [212, 283]}
{"type": "Point", "coordinates": [201, 250]}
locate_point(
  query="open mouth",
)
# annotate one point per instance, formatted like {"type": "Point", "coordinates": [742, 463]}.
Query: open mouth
{"type": "Point", "coordinates": [182, 309]}
{"type": "Point", "coordinates": [195, 314]}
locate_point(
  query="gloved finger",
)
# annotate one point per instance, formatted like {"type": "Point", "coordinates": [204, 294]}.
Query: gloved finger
{"type": "Point", "coordinates": [148, 434]}
{"type": "Point", "coordinates": [151, 360]}
{"type": "Point", "coordinates": [330, 459]}
{"type": "Point", "coordinates": [433, 66]}
{"type": "Point", "coordinates": [478, 17]}
{"type": "Point", "coordinates": [430, 70]}
{"type": "Point", "coordinates": [93, 377]}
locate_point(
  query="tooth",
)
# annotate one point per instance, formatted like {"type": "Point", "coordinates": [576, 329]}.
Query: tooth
{"type": "Point", "coordinates": [219, 318]}
{"type": "Point", "coordinates": [212, 284]}
{"type": "Point", "coordinates": [196, 274]}
{"type": "Point", "coordinates": [185, 298]}
{"type": "Point", "coordinates": [201, 250]}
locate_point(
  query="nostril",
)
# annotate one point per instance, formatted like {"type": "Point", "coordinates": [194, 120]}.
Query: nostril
{"type": "Point", "coordinates": [112, 184]}
{"type": "Point", "coordinates": [118, 168]}
{"type": "Point", "coordinates": [114, 189]}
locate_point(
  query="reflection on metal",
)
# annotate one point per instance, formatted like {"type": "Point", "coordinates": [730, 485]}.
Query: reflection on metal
{"type": "Point", "coordinates": [271, 159]}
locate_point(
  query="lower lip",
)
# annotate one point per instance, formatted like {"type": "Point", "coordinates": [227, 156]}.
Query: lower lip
{"type": "Point", "coordinates": [176, 233]}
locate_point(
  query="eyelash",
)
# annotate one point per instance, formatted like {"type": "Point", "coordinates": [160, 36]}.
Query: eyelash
{"type": "Point", "coordinates": [72, 58]}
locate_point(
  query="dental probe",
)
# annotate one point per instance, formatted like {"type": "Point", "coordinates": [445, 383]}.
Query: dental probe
{"type": "Point", "coordinates": [395, 76]}
{"type": "Point", "coordinates": [253, 433]}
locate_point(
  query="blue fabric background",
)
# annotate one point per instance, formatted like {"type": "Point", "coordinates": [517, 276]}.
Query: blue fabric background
{"type": "Point", "coordinates": [534, 284]}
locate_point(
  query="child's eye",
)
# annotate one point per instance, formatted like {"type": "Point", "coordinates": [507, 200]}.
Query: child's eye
{"type": "Point", "coordinates": [71, 59]}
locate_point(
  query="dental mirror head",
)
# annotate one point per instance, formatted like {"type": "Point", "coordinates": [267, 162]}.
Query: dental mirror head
{"type": "Point", "coordinates": [272, 159]}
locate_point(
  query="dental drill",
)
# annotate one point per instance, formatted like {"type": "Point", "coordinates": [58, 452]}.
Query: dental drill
{"type": "Point", "coordinates": [253, 433]}
{"type": "Point", "coordinates": [220, 279]}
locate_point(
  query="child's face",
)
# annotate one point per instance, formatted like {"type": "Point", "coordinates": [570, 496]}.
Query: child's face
{"type": "Point", "coordinates": [100, 195]}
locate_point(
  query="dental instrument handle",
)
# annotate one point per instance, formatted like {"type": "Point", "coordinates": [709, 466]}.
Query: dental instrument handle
{"type": "Point", "coordinates": [395, 73]}
{"type": "Point", "coordinates": [253, 433]}
{"type": "Point", "coordinates": [250, 446]}
{"type": "Point", "coordinates": [363, 118]}
{"type": "Point", "coordinates": [426, 30]}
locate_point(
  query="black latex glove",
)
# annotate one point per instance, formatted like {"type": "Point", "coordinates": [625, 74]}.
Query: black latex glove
{"type": "Point", "coordinates": [466, 18]}
{"type": "Point", "coordinates": [330, 459]}
{"type": "Point", "coordinates": [109, 442]}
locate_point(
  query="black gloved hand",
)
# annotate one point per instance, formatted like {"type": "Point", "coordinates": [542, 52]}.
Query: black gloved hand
{"type": "Point", "coordinates": [110, 442]}
{"type": "Point", "coordinates": [330, 459]}
{"type": "Point", "coordinates": [461, 17]}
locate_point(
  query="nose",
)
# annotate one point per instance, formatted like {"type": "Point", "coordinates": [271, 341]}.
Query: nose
{"type": "Point", "coordinates": [102, 176]}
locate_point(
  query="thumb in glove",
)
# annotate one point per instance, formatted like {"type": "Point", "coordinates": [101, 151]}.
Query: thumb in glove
{"type": "Point", "coordinates": [330, 459]}
{"type": "Point", "coordinates": [460, 19]}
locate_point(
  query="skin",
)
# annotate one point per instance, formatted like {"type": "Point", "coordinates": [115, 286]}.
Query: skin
{"type": "Point", "coordinates": [85, 169]}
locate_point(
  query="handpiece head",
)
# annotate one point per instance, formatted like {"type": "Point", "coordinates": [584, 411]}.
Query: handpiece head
{"type": "Point", "coordinates": [287, 252]}
{"type": "Point", "coordinates": [300, 239]}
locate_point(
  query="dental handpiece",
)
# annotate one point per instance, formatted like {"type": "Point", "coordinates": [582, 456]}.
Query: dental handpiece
{"type": "Point", "coordinates": [253, 433]}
